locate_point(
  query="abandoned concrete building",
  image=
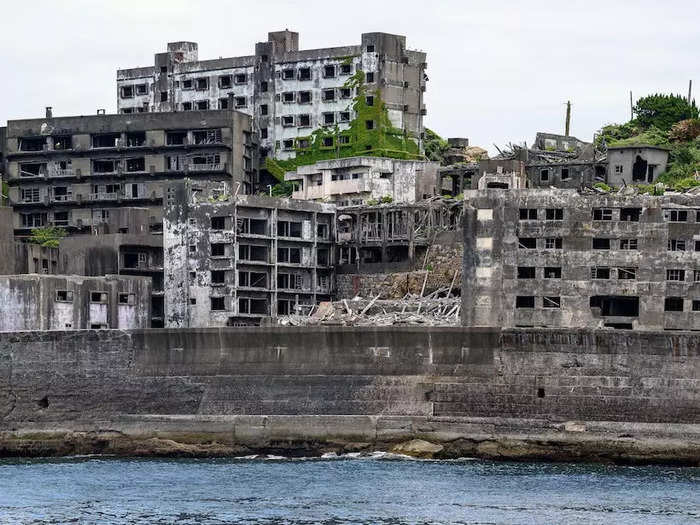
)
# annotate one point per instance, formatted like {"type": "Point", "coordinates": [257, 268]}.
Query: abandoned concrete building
{"type": "Point", "coordinates": [355, 181]}
{"type": "Point", "coordinates": [288, 91]}
{"type": "Point", "coordinates": [69, 302]}
{"type": "Point", "coordinates": [560, 258]}
{"type": "Point", "coordinates": [391, 237]}
{"type": "Point", "coordinates": [74, 171]}
{"type": "Point", "coordinates": [234, 260]}
{"type": "Point", "coordinates": [636, 164]}
{"type": "Point", "coordinates": [135, 254]}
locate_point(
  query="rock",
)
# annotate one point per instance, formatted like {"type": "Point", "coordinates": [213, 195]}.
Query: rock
{"type": "Point", "coordinates": [418, 448]}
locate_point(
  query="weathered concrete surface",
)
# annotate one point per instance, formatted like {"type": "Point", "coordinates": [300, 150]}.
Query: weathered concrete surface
{"type": "Point", "coordinates": [547, 394]}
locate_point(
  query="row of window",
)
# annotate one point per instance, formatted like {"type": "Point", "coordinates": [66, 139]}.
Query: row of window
{"type": "Point", "coordinates": [544, 175]}
{"type": "Point", "coordinates": [256, 279]}
{"type": "Point", "coordinates": [671, 304]}
{"type": "Point", "coordinates": [604, 272]}
{"type": "Point", "coordinates": [608, 214]}
{"type": "Point", "coordinates": [66, 296]}
{"type": "Point", "coordinates": [604, 243]}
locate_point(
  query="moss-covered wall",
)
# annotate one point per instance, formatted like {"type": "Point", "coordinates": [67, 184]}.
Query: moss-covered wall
{"type": "Point", "coordinates": [381, 139]}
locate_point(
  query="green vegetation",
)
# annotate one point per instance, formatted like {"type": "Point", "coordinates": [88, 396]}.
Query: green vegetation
{"type": "Point", "coordinates": [602, 186]}
{"type": "Point", "coordinates": [435, 146]}
{"type": "Point", "coordinates": [47, 236]}
{"type": "Point", "coordinates": [668, 121]}
{"type": "Point", "coordinates": [370, 134]}
{"type": "Point", "coordinates": [663, 111]}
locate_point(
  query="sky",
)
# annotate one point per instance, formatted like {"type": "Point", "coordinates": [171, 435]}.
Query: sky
{"type": "Point", "coordinates": [499, 70]}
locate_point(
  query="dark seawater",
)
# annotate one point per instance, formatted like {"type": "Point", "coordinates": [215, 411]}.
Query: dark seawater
{"type": "Point", "coordinates": [346, 490]}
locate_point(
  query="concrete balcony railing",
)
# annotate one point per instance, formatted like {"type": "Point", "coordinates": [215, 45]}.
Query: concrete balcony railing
{"type": "Point", "coordinates": [57, 172]}
{"type": "Point", "coordinates": [339, 187]}
{"type": "Point", "coordinates": [62, 198]}
{"type": "Point", "coordinates": [103, 196]}
{"type": "Point", "coordinates": [210, 166]}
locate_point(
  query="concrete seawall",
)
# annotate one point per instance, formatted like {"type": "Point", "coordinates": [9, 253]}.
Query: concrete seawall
{"type": "Point", "coordinates": [550, 394]}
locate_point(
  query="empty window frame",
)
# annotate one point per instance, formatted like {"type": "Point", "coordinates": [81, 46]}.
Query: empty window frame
{"type": "Point", "coordinates": [304, 97]}
{"type": "Point", "coordinates": [554, 214]}
{"type": "Point", "coordinates": [304, 73]}
{"type": "Point", "coordinates": [329, 95]}
{"type": "Point", "coordinates": [201, 83]}
{"type": "Point", "coordinates": [249, 305]}
{"type": "Point", "coordinates": [127, 298]}
{"type": "Point", "coordinates": [551, 302]}
{"type": "Point", "coordinates": [98, 297]}
{"type": "Point", "coordinates": [369, 100]}
{"type": "Point", "coordinates": [599, 243]}
{"type": "Point", "coordinates": [288, 97]}
{"type": "Point", "coordinates": [344, 116]}
{"type": "Point", "coordinates": [696, 276]}
{"type": "Point", "coordinates": [626, 273]}
{"type": "Point", "coordinates": [345, 92]}
{"type": "Point", "coordinates": [552, 272]}
{"type": "Point", "coordinates": [218, 303]}
{"type": "Point", "coordinates": [675, 274]}
{"type": "Point", "coordinates": [127, 91]}
{"type": "Point", "coordinates": [304, 120]}
{"type": "Point", "coordinates": [696, 305]}
{"type": "Point", "coordinates": [369, 77]}
{"type": "Point", "coordinates": [202, 105]}
{"type": "Point", "coordinates": [175, 138]}
{"type": "Point", "coordinates": [676, 245]}
{"type": "Point", "coordinates": [527, 243]}
{"type": "Point", "coordinates": [240, 78]}
{"type": "Point", "coordinates": [187, 84]}
{"type": "Point", "coordinates": [218, 249]}
{"type": "Point", "coordinates": [619, 169]}
{"type": "Point", "coordinates": [369, 124]}
{"type": "Point", "coordinates": [240, 102]}
{"type": "Point", "coordinates": [287, 121]}
{"type": "Point", "coordinates": [225, 81]}
{"type": "Point", "coordinates": [630, 214]}
{"type": "Point", "coordinates": [106, 140]}
{"type": "Point", "coordinates": [288, 144]}
{"type": "Point", "coordinates": [526, 272]}
{"type": "Point", "coordinates": [223, 103]}
{"type": "Point", "coordinates": [218, 276]}
{"type": "Point", "coordinates": [528, 214]}
{"type": "Point", "coordinates": [136, 165]}
{"type": "Point", "coordinates": [64, 296]}
{"type": "Point", "coordinates": [565, 174]}
{"type": "Point", "coordinates": [600, 272]}
{"type": "Point", "coordinates": [218, 223]}
{"type": "Point", "coordinates": [544, 175]}
{"type": "Point", "coordinates": [287, 254]}
{"type": "Point", "coordinates": [346, 69]}
{"type": "Point", "coordinates": [252, 252]}
{"type": "Point", "coordinates": [553, 243]}
{"type": "Point", "coordinates": [676, 215]}
{"type": "Point", "coordinates": [289, 229]}
{"type": "Point", "coordinates": [628, 244]}
{"type": "Point", "coordinates": [328, 119]}
{"type": "Point", "coordinates": [251, 279]}
{"type": "Point", "coordinates": [525, 301]}
{"type": "Point", "coordinates": [602, 214]}
{"type": "Point", "coordinates": [288, 74]}
{"type": "Point", "coordinates": [329, 71]}
{"type": "Point", "coordinates": [673, 304]}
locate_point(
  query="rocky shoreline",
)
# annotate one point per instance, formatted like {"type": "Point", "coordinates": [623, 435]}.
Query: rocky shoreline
{"type": "Point", "coordinates": [425, 438]}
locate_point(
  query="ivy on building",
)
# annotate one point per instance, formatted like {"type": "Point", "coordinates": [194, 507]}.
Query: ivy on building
{"type": "Point", "coordinates": [370, 133]}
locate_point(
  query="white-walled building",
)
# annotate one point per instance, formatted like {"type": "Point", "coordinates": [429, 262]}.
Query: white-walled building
{"type": "Point", "coordinates": [353, 181]}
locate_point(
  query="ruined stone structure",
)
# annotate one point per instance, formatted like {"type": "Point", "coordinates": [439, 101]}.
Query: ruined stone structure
{"type": "Point", "coordinates": [118, 254]}
{"type": "Point", "coordinates": [74, 171]}
{"type": "Point", "coordinates": [390, 235]}
{"type": "Point", "coordinates": [70, 302]}
{"type": "Point", "coordinates": [518, 393]}
{"type": "Point", "coordinates": [635, 164]}
{"type": "Point", "coordinates": [288, 91]}
{"type": "Point", "coordinates": [232, 260]}
{"type": "Point", "coordinates": [558, 258]}
{"type": "Point", "coordinates": [355, 181]}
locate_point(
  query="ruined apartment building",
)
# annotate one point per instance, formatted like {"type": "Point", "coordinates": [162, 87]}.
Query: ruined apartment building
{"type": "Point", "coordinates": [74, 171]}
{"type": "Point", "coordinates": [560, 258]}
{"type": "Point", "coordinates": [70, 302]}
{"type": "Point", "coordinates": [288, 91]}
{"type": "Point", "coordinates": [355, 181]}
{"type": "Point", "coordinates": [234, 260]}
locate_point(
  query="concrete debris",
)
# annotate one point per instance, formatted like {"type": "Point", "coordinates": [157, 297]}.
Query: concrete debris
{"type": "Point", "coordinates": [431, 310]}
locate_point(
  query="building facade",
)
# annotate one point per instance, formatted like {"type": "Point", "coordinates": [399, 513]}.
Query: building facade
{"type": "Point", "coordinates": [234, 260]}
{"type": "Point", "coordinates": [289, 92]}
{"type": "Point", "coordinates": [74, 171]}
{"type": "Point", "coordinates": [354, 181]}
{"type": "Point", "coordinates": [636, 164]}
{"type": "Point", "coordinates": [70, 302]}
{"type": "Point", "coordinates": [559, 258]}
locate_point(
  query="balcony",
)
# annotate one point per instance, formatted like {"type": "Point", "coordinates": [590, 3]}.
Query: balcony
{"type": "Point", "coordinates": [62, 198]}
{"type": "Point", "coordinates": [58, 172]}
{"type": "Point", "coordinates": [103, 196]}
{"type": "Point", "coordinates": [209, 166]}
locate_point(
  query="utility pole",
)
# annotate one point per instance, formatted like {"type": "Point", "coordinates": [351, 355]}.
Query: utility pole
{"type": "Point", "coordinates": [631, 106]}
{"type": "Point", "coordinates": [568, 118]}
{"type": "Point", "coordinates": [690, 90]}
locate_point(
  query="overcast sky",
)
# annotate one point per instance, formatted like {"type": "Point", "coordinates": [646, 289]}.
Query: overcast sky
{"type": "Point", "coordinates": [499, 71]}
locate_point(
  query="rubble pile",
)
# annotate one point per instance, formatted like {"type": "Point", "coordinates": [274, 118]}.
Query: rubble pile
{"type": "Point", "coordinates": [431, 310]}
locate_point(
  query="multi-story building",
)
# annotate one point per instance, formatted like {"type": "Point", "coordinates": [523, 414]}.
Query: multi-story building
{"type": "Point", "coordinates": [71, 302]}
{"type": "Point", "coordinates": [559, 258]}
{"type": "Point", "coordinates": [72, 171]}
{"type": "Point", "coordinates": [288, 91]}
{"type": "Point", "coordinates": [236, 259]}
{"type": "Point", "coordinates": [355, 181]}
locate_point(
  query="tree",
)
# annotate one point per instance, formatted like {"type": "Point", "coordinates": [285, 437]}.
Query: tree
{"type": "Point", "coordinates": [47, 236]}
{"type": "Point", "coordinates": [435, 146]}
{"type": "Point", "coordinates": [663, 111]}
